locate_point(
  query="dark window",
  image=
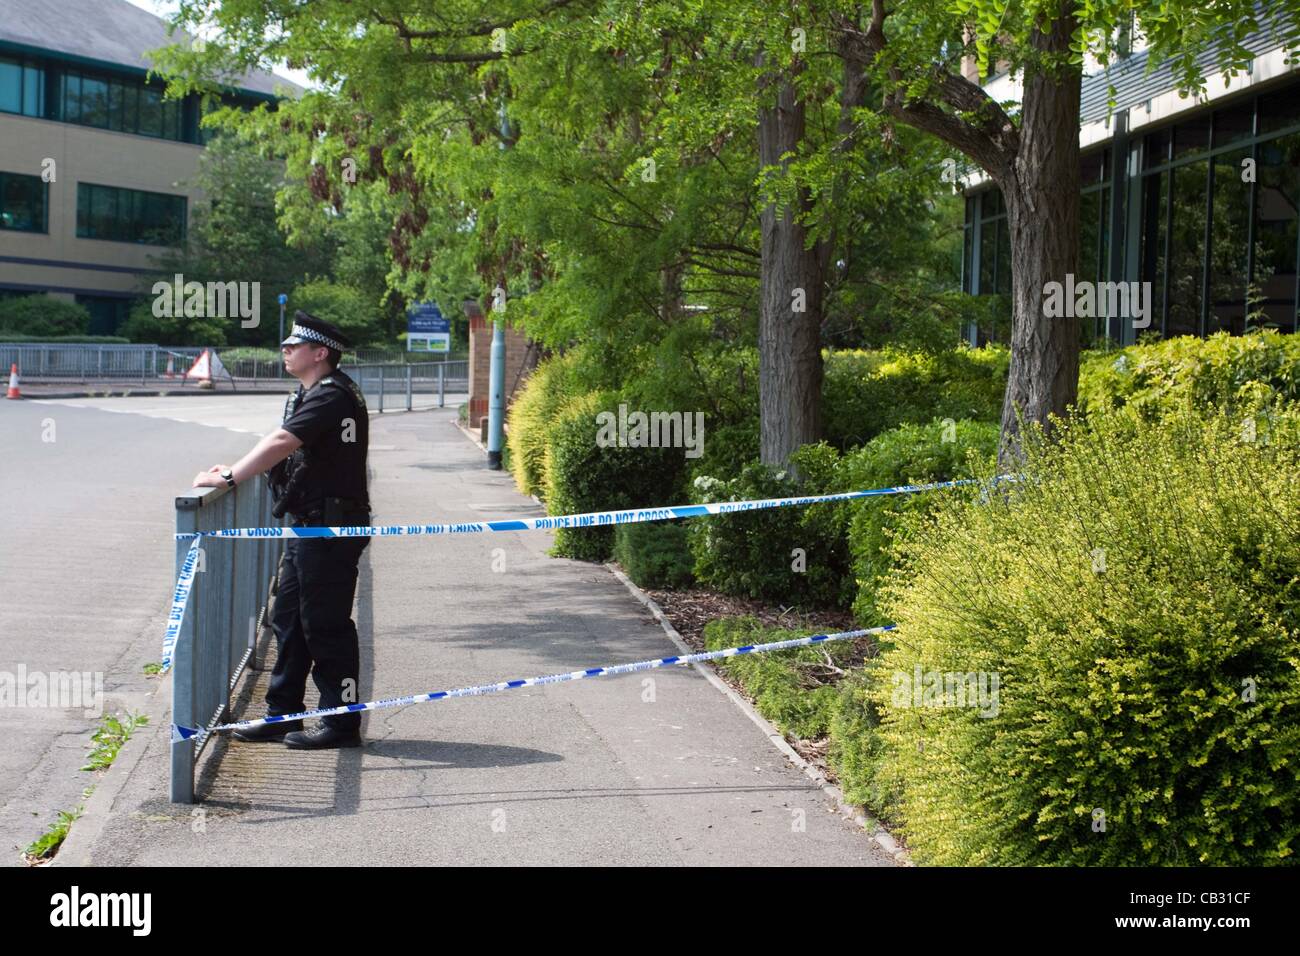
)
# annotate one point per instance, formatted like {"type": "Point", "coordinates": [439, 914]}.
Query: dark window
{"type": "Point", "coordinates": [107, 314]}
{"type": "Point", "coordinates": [1192, 136]}
{"type": "Point", "coordinates": [1278, 111]}
{"type": "Point", "coordinates": [124, 104]}
{"type": "Point", "coordinates": [988, 256]}
{"type": "Point", "coordinates": [22, 87]}
{"type": "Point", "coordinates": [94, 102]}
{"type": "Point", "coordinates": [1277, 211]}
{"type": "Point", "coordinates": [150, 112]}
{"type": "Point", "coordinates": [1091, 168]}
{"type": "Point", "coordinates": [11, 86]}
{"type": "Point", "coordinates": [24, 203]}
{"type": "Point", "coordinates": [1155, 219]}
{"type": "Point", "coordinates": [1234, 124]}
{"type": "Point", "coordinates": [1229, 244]}
{"type": "Point", "coordinates": [72, 97]}
{"type": "Point", "coordinates": [1157, 149]}
{"type": "Point", "coordinates": [967, 243]}
{"type": "Point", "coordinates": [1187, 249]}
{"type": "Point", "coordinates": [129, 215]}
{"type": "Point", "coordinates": [1004, 257]}
{"type": "Point", "coordinates": [33, 91]}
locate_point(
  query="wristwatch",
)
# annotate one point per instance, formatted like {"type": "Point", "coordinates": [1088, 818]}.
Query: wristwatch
{"type": "Point", "coordinates": [229, 475]}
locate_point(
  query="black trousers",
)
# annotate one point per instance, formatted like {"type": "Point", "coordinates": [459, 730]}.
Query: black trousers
{"type": "Point", "coordinates": [314, 631]}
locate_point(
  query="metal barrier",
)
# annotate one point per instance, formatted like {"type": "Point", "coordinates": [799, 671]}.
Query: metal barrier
{"type": "Point", "coordinates": [417, 385]}
{"type": "Point", "coordinates": [230, 602]}
{"type": "Point", "coordinates": [83, 362]}
{"type": "Point", "coordinates": [147, 364]}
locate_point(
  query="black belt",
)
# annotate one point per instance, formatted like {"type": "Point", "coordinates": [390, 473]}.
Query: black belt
{"type": "Point", "coordinates": [332, 507]}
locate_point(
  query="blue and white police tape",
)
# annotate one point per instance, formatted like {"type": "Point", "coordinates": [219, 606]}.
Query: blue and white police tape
{"type": "Point", "coordinates": [180, 599]}
{"type": "Point", "coordinates": [590, 519]}
{"type": "Point", "coordinates": [189, 733]}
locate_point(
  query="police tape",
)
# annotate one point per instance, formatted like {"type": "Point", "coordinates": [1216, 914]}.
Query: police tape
{"type": "Point", "coordinates": [587, 520]}
{"type": "Point", "coordinates": [180, 599]}
{"type": "Point", "coordinates": [591, 519]}
{"type": "Point", "coordinates": [180, 734]}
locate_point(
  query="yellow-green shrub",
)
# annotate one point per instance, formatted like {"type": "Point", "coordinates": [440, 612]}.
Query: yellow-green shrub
{"type": "Point", "coordinates": [549, 388]}
{"type": "Point", "coordinates": [1138, 594]}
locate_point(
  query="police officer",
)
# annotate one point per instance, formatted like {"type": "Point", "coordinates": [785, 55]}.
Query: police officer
{"type": "Point", "coordinates": [317, 459]}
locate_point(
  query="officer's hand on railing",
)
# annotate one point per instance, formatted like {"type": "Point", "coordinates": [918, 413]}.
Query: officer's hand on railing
{"type": "Point", "coordinates": [210, 478]}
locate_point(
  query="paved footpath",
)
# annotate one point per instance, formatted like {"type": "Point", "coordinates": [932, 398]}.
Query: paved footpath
{"type": "Point", "coordinates": [608, 771]}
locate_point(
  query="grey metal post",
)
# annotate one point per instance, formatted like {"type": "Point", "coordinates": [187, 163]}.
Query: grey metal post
{"type": "Point", "coordinates": [381, 389]}
{"type": "Point", "coordinates": [496, 392]}
{"type": "Point", "coordinates": [408, 388]}
{"type": "Point", "coordinates": [440, 386]}
{"type": "Point", "coordinates": [183, 664]}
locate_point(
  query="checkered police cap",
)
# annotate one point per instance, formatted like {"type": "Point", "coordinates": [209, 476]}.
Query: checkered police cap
{"type": "Point", "coordinates": [308, 328]}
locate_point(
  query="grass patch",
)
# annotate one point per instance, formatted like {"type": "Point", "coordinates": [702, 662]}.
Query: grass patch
{"type": "Point", "coordinates": [47, 844]}
{"type": "Point", "coordinates": [111, 734]}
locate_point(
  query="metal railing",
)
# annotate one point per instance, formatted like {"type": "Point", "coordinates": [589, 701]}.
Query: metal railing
{"type": "Point", "coordinates": [151, 364]}
{"type": "Point", "coordinates": [230, 602]}
{"type": "Point", "coordinates": [82, 362]}
{"type": "Point", "coordinates": [409, 387]}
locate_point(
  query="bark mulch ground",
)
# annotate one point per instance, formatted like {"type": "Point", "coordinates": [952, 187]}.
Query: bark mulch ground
{"type": "Point", "coordinates": [690, 610]}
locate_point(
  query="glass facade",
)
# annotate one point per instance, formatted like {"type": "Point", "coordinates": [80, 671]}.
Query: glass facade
{"type": "Point", "coordinates": [124, 102]}
{"type": "Point", "coordinates": [123, 105]}
{"type": "Point", "coordinates": [22, 87]}
{"type": "Point", "coordinates": [1215, 202]}
{"type": "Point", "coordinates": [129, 215]}
{"type": "Point", "coordinates": [24, 203]}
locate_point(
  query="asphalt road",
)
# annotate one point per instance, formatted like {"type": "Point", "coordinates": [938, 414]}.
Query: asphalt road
{"type": "Point", "coordinates": [86, 490]}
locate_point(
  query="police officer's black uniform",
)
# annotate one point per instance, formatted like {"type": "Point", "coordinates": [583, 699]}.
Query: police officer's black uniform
{"type": "Point", "coordinates": [323, 483]}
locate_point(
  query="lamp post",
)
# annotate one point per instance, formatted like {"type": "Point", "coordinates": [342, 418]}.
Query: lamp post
{"type": "Point", "coordinates": [283, 299]}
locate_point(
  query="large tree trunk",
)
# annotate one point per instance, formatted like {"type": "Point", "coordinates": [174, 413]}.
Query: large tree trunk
{"type": "Point", "coordinates": [1037, 168]}
{"type": "Point", "coordinates": [1042, 199]}
{"type": "Point", "coordinates": [790, 315]}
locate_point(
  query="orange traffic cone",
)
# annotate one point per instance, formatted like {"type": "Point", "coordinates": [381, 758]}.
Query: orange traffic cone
{"type": "Point", "coordinates": [13, 382]}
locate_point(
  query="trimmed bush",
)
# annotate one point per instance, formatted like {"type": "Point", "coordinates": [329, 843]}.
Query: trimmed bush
{"type": "Point", "coordinates": [1138, 596]}
{"type": "Point", "coordinates": [655, 554]}
{"type": "Point", "coordinates": [795, 555]}
{"type": "Point", "coordinates": [727, 449]}
{"type": "Point", "coordinates": [533, 410]}
{"type": "Point", "coordinates": [857, 752]}
{"type": "Point", "coordinates": [865, 394]}
{"type": "Point", "coordinates": [583, 476]}
{"type": "Point", "coordinates": [909, 454]}
{"type": "Point", "coordinates": [1230, 371]}
{"type": "Point", "coordinates": [43, 315]}
{"type": "Point", "coordinates": [846, 547]}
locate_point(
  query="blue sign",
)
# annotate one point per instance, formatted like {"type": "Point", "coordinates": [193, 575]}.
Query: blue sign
{"type": "Point", "coordinates": [424, 318]}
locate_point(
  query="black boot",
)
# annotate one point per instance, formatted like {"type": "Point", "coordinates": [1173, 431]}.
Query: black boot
{"type": "Point", "coordinates": [267, 732]}
{"type": "Point", "coordinates": [323, 737]}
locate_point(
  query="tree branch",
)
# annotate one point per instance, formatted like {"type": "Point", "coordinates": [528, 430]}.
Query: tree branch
{"type": "Point", "coordinates": [989, 136]}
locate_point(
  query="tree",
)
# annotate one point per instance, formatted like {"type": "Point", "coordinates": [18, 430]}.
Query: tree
{"type": "Point", "coordinates": [233, 237]}
{"type": "Point", "coordinates": [913, 51]}
{"type": "Point", "coordinates": [640, 181]}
